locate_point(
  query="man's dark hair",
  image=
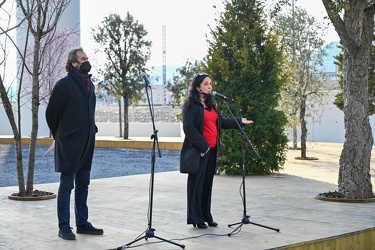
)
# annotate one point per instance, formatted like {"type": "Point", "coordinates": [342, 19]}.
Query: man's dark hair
{"type": "Point", "coordinates": [72, 57]}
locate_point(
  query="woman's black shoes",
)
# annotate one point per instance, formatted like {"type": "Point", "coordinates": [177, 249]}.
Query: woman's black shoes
{"type": "Point", "coordinates": [204, 225]}
{"type": "Point", "coordinates": [212, 224]}
{"type": "Point", "coordinates": [200, 225]}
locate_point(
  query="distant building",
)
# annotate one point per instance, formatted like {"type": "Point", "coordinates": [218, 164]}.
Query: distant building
{"type": "Point", "coordinates": [157, 86]}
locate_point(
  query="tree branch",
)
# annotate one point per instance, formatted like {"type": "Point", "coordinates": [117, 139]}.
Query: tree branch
{"type": "Point", "coordinates": [339, 24]}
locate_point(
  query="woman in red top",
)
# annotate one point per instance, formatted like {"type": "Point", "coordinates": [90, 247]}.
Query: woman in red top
{"type": "Point", "coordinates": [202, 123]}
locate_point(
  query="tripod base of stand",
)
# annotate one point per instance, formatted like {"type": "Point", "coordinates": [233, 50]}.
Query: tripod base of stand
{"type": "Point", "coordinates": [246, 220]}
{"type": "Point", "coordinates": [150, 233]}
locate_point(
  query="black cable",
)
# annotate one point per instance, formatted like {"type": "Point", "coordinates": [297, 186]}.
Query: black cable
{"type": "Point", "coordinates": [181, 239]}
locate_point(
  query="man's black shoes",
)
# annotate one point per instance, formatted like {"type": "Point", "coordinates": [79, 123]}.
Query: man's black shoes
{"type": "Point", "coordinates": [89, 229]}
{"type": "Point", "coordinates": [66, 233]}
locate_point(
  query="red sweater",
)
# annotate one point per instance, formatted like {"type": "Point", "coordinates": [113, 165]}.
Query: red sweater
{"type": "Point", "coordinates": [210, 131]}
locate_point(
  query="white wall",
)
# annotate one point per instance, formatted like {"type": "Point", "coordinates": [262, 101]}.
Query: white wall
{"type": "Point", "coordinates": [141, 129]}
{"type": "Point", "coordinates": [6, 129]}
{"type": "Point", "coordinates": [331, 127]}
{"type": "Point", "coordinates": [104, 128]}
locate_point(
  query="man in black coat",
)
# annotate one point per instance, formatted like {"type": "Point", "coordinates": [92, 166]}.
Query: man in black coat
{"type": "Point", "coordinates": [70, 116]}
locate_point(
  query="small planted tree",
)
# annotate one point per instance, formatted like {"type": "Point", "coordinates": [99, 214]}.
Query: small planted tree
{"type": "Point", "coordinates": [40, 19]}
{"type": "Point", "coordinates": [127, 51]}
{"type": "Point", "coordinates": [305, 93]}
{"type": "Point", "coordinates": [246, 62]}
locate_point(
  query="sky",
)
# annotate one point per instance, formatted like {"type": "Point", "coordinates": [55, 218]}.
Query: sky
{"type": "Point", "coordinates": [186, 21]}
{"type": "Point", "coordinates": [187, 25]}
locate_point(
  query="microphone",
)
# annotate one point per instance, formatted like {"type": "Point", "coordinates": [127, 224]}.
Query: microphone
{"type": "Point", "coordinates": [144, 76]}
{"type": "Point", "coordinates": [214, 93]}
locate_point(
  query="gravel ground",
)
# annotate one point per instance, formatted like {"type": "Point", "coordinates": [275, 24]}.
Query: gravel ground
{"type": "Point", "coordinates": [107, 162]}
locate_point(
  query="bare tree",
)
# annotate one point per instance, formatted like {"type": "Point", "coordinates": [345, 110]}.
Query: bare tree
{"type": "Point", "coordinates": [41, 18]}
{"type": "Point", "coordinates": [7, 104]}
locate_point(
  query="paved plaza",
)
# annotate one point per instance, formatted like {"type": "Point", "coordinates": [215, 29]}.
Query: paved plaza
{"type": "Point", "coordinates": [120, 205]}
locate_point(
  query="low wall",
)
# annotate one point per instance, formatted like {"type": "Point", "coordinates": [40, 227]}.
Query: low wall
{"type": "Point", "coordinates": [106, 128]}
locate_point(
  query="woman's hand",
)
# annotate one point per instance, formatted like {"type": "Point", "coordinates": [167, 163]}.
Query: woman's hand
{"type": "Point", "coordinates": [246, 121]}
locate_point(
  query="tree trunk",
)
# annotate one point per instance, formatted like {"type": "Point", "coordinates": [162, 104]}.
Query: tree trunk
{"type": "Point", "coordinates": [17, 138]}
{"type": "Point", "coordinates": [126, 118]}
{"type": "Point", "coordinates": [302, 114]}
{"type": "Point", "coordinates": [294, 127]}
{"type": "Point", "coordinates": [354, 173]}
{"type": "Point", "coordinates": [120, 116]}
{"type": "Point", "coordinates": [34, 115]}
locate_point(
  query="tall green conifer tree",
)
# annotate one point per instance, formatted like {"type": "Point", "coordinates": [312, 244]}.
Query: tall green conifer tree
{"type": "Point", "coordinates": [246, 62]}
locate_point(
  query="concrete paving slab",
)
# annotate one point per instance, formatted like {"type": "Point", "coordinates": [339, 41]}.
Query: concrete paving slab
{"type": "Point", "coordinates": [120, 206]}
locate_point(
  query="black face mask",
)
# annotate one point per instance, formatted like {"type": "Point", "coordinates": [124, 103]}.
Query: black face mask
{"type": "Point", "coordinates": [206, 95]}
{"type": "Point", "coordinates": [85, 67]}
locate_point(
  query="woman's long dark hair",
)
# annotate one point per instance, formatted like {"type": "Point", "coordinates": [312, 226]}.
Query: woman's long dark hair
{"type": "Point", "coordinates": [193, 95]}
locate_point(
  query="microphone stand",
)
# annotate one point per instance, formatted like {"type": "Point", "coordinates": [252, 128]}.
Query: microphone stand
{"type": "Point", "coordinates": [246, 218]}
{"type": "Point", "coordinates": [150, 231]}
